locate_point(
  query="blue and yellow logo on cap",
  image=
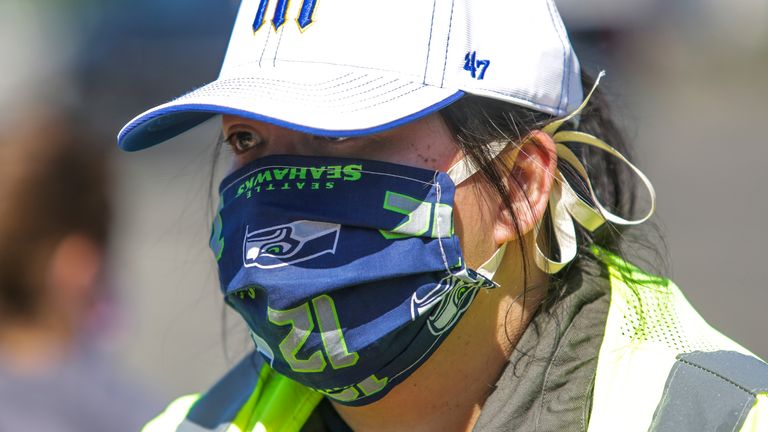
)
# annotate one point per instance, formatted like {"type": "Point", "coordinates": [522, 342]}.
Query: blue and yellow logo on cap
{"type": "Point", "coordinates": [304, 19]}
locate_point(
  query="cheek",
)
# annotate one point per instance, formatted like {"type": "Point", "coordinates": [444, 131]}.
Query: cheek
{"type": "Point", "coordinates": [474, 218]}
{"type": "Point", "coordinates": [426, 143]}
{"type": "Point", "coordinates": [437, 154]}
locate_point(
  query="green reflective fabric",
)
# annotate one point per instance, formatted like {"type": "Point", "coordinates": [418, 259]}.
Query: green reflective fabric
{"type": "Point", "coordinates": [277, 404]}
{"type": "Point", "coordinates": [757, 419]}
{"type": "Point", "coordinates": [649, 324]}
{"type": "Point", "coordinates": [173, 416]}
{"type": "Point", "coordinates": [283, 405]}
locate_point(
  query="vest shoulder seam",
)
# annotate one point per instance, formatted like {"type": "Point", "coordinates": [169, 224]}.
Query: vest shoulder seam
{"type": "Point", "coordinates": [722, 377]}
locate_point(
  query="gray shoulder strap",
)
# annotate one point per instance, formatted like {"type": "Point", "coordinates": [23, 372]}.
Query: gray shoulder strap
{"type": "Point", "coordinates": [221, 403]}
{"type": "Point", "coordinates": [707, 391]}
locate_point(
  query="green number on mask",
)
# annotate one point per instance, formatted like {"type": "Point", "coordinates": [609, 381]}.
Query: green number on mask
{"type": "Point", "coordinates": [300, 320]}
{"type": "Point", "coordinates": [373, 385]}
{"type": "Point", "coordinates": [331, 334]}
{"type": "Point", "coordinates": [367, 387]}
{"type": "Point", "coordinates": [419, 216]}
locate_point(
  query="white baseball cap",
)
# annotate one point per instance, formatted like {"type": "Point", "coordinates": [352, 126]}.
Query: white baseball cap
{"type": "Point", "coordinates": [357, 67]}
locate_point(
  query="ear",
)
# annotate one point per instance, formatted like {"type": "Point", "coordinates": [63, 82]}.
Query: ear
{"type": "Point", "coordinates": [529, 181]}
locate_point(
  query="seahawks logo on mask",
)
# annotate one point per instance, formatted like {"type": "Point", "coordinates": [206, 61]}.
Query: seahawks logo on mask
{"type": "Point", "coordinates": [289, 244]}
{"type": "Point", "coordinates": [448, 300]}
{"type": "Point", "coordinates": [422, 304]}
{"type": "Point", "coordinates": [452, 305]}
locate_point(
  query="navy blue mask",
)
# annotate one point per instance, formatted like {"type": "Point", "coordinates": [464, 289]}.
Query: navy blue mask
{"type": "Point", "coordinates": [348, 272]}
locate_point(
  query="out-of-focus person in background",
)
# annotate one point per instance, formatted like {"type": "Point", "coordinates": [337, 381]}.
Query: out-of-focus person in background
{"type": "Point", "coordinates": [54, 229]}
{"type": "Point", "coordinates": [59, 311]}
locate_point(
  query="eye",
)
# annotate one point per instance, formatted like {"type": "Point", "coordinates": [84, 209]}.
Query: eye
{"type": "Point", "coordinates": [330, 139]}
{"type": "Point", "coordinates": [243, 141]}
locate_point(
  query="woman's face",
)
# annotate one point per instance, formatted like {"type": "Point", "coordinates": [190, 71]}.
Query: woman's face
{"type": "Point", "coordinates": [425, 143]}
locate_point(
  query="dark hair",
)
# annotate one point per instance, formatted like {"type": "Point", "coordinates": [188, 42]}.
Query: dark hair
{"type": "Point", "coordinates": [53, 183]}
{"type": "Point", "coordinates": [477, 121]}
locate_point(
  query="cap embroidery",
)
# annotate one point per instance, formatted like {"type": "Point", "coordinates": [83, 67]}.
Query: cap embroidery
{"type": "Point", "coordinates": [476, 68]}
{"type": "Point", "coordinates": [304, 19]}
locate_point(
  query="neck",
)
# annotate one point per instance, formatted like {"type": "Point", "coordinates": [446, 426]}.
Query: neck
{"type": "Point", "coordinates": [448, 391]}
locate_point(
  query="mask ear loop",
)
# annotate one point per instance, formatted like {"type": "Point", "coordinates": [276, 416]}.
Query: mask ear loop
{"type": "Point", "coordinates": [459, 173]}
{"type": "Point", "coordinates": [464, 169]}
{"type": "Point", "coordinates": [565, 205]}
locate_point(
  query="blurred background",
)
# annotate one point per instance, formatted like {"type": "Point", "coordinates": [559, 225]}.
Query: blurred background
{"type": "Point", "coordinates": [689, 79]}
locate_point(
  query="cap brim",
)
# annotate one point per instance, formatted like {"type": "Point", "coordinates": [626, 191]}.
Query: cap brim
{"type": "Point", "coordinates": [333, 101]}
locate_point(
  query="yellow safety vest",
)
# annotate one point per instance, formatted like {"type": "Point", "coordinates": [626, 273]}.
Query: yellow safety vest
{"type": "Point", "coordinates": [660, 367]}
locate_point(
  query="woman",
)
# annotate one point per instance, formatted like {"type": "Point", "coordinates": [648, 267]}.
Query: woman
{"type": "Point", "coordinates": [414, 246]}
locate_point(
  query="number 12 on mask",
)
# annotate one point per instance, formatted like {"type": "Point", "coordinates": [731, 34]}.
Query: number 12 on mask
{"type": "Point", "coordinates": [302, 324]}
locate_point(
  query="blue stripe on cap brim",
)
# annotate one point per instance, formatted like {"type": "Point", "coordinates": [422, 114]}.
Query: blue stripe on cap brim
{"type": "Point", "coordinates": [163, 124]}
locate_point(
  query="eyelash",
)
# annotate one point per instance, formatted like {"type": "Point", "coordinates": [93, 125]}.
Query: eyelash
{"type": "Point", "coordinates": [235, 138]}
{"type": "Point", "coordinates": [330, 139]}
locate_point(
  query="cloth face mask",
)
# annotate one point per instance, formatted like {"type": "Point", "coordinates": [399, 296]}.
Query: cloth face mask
{"type": "Point", "coordinates": [348, 272]}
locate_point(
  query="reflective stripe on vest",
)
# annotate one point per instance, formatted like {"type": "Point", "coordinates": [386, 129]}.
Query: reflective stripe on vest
{"type": "Point", "coordinates": [710, 391]}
